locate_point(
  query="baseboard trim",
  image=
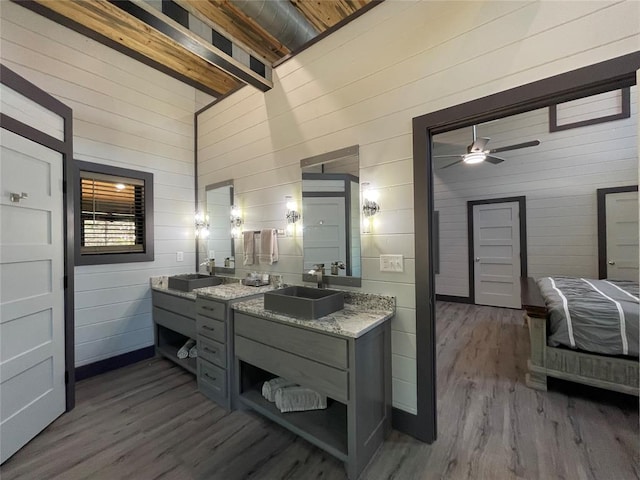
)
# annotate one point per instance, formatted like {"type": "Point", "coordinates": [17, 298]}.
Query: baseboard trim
{"type": "Point", "coordinates": [406, 422]}
{"type": "Point", "coordinates": [113, 363]}
{"type": "Point", "coordinates": [452, 298]}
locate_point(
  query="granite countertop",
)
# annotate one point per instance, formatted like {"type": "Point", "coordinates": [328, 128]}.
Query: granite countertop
{"type": "Point", "coordinates": [230, 289]}
{"type": "Point", "coordinates": [361, 313]}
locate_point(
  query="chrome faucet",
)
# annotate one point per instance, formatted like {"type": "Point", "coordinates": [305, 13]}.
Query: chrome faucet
{"type": "Point", "coordinates": [318, 271]}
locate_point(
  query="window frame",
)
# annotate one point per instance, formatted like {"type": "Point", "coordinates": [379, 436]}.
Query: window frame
{"type": "Point", "coordinates": [147, 255]}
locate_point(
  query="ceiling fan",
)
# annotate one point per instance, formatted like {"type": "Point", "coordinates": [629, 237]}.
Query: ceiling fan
{"type": "Point", "coordinates": [477, 153]}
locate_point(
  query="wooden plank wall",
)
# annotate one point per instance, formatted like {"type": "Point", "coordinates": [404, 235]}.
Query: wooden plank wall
{"type": "Point", "coordinates": [559, 179]}
{"type": "Point", "coordinates": [363, 85]}
{"type": "Point", "coordinates": [125, 114]}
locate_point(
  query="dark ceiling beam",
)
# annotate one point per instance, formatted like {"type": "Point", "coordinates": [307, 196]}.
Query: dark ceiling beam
{"type": "Point", "coordinates": [193, 43]}
{"type": "Point", "coordinates": [240, 26]}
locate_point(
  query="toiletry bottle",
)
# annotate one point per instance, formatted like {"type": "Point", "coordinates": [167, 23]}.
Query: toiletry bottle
{"type": "Point", "coordinates": [226, 262]}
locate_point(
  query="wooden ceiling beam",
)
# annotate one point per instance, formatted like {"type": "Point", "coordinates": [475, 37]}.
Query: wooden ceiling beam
{"type": "Point", "coordinates": [108, 24]}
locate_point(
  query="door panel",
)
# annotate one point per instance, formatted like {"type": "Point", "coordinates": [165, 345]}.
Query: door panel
{"type": "Point", "coordinates": [324, 231]}
{"type": "Point", "coordinates": [496, 246]}
{"type": "Point", "coordinates": [32, 360]}
{"type": "Point", "coordinates": [622, 235]}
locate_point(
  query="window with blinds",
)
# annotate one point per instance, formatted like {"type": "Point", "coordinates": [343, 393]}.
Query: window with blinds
{"type": "Point", "coordinates": [113, 224]}
{"type": "Point", "coordinates": [112, 214]}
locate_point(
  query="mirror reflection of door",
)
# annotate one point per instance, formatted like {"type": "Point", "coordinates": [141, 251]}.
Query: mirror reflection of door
{"type": "Point", "coordinates": [327, 205]}
{"type": "Point", "coordinates": [325, 232]}
{"type": "Point", "coordinates": [331, 213]}
{"type": "Point", "coordinates": [219, 244]}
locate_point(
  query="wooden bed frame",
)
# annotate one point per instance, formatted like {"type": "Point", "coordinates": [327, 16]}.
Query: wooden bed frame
{"type": "Point", "coordinates": [611, 373]}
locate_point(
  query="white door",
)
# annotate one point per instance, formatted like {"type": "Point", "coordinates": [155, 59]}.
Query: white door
{"type": "Point", "coordinates": [32, 383]}
{"type": "Point", "coordinates": [496, 247]}
{"type": "Point", "coordinates": [622, 235]}
{"type": "Point", "coordinates": [325, 237]}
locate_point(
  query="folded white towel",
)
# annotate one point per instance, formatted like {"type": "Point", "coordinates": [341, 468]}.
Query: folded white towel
{"type": "Point", "coordinates": [248, 246]}
{"type": "Point", "coordinates": [299, 399]}
{"type": "Point", "coordinates": [184, 351]}
{"type": "Point", "coordinates": [270, 387]}
{"type": "Point", "coordinates": [193, 351]}
{"type": "Point", "coordinates": [268, 246]}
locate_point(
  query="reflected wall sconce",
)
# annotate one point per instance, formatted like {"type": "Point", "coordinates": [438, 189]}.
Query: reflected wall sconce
{"type": "Point", "coordinates": [370, 206]}
{"type": "Point", "coordinates": [292, 215]}
{"type": "Point", "coordinates": [236, 221]}
{"type": "Point", "coordinates": [202, 225]}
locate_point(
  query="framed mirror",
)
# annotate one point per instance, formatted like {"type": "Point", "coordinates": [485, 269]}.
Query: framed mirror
{"type": "Point", "coordinates": [219, 244]}
{"type": "Point", "coordinates": [331, 216]}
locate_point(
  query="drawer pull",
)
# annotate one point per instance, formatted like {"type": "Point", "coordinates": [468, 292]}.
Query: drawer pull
{"type": "Point", "coordinates": [211, 309]}
{"type": "Point", "coordinates": [210, 351]}
{"type": "Point", "coordinates": [208, 328]}
{"type": "Point", "coordinates": [210, 377]}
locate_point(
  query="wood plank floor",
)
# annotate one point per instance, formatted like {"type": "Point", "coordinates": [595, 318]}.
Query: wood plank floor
{"type": "Point", "coordinates": [148, 421]}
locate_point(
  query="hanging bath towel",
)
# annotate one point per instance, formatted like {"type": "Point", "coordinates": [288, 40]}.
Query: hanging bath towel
{"type": "Point", "coordinates": [268, 246]}
{"type": "Point", "coordinates": [249, 248]}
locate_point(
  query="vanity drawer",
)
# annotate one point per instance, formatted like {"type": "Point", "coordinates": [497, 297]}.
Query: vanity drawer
{"type": "Point", "coordinates": [182, 306]}
{"type": "Point", "coordinates": [210, 308]}
{"type": "Point", "coordinates": [212, 351]}
{"type": "Point", "coordinates": [210, 328]}
{"type": "Point", "coordinates": [315, 346]}
{"type": "Point", "coordinates": [212, 380]}
{"type": "Point", "coordinates": [328, 380]}
{"type": "Point", "coordinates": [184, 325]}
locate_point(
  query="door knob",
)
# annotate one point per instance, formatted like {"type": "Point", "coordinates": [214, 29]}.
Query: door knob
{"type": "Point", "coordinates": [611, 262]}
{"type": "Point", "coordinates": [477, 259]}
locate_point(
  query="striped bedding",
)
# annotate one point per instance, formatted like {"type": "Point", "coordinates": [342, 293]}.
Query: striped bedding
{"type": "Point", "coordinates": [598, 316]}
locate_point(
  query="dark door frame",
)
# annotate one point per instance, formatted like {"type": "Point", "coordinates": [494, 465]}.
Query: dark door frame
{"type": "Point", "coordinates": [522, 206]}
{"type": "Point", "coordinates": [602, 224]}
{"type": "Point", "coordinates": [619, 72]}
{"type": "Point", "coordinates": [14, 81]}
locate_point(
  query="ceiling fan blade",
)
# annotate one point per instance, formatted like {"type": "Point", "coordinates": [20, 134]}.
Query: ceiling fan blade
{"type": "Point", "coordinates": [532, 143]}
{"type": "Point", "coordinates": [493, 159]}
{"type": "Point", "coordinates": [479, 144]}
{"type": "Point", "coordinates": [452, 164]}
{"type": "Point", "coordinates": [448, 156]}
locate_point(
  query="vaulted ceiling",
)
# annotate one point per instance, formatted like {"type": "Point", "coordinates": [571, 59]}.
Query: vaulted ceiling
{"type": "Point", "coordinates": [214, 45]}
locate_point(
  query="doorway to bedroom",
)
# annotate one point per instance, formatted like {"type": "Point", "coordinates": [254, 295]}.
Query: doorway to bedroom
{"type": "Point", "coordinates": [556, 150]}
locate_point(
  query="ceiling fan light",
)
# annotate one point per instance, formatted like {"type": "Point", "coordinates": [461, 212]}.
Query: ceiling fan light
{"type": "Point", "coordinates": [475, 157]}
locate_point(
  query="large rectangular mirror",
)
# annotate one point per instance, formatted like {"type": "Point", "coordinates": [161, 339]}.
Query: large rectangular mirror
{"type": "Point", "coordinates": [331, 215]}
{"type": "Point", "coordinates": [219, 243]}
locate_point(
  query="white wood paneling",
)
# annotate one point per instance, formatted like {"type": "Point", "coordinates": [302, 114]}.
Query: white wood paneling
{"type": "Point", "coordinates": [364, 83]}
{"type": "Point", "coordinates": [125, 114]}
{"type": "Point", "coordinates": [559, 179]}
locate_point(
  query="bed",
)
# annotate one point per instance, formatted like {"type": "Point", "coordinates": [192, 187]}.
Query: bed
{"type": "Point", "coordinates": [582, 330]}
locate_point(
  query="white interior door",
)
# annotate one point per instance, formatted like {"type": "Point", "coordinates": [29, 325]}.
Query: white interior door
{"type": "Point", "coordinates": [496, 247]}
{"type": "Point", "coordinates": [325, 237]}
{"type": "Point", "coordinates": [622, 235]}
{"type": "Point", "coordinates": [32, 360]}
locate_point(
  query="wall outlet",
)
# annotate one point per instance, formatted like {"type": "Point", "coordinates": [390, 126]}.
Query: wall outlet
{"type": "Point", "coordinates": [179, 256]}
{"type": "Point", "coordinates": [391, 263]}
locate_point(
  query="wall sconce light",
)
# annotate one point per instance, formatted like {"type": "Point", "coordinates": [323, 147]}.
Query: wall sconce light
{"type": "Point", "coordinates": [292, 214]}
{"type": "Point", "coordinates": [236, 221]}
{"type": "Point", "coordinates": [370, 206]}
{"type": "Point", "coordinates": [202, 225]}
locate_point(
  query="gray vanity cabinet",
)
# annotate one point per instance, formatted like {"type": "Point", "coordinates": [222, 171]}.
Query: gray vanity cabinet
{"type": "Point", "coordinates": [354, 373]}
{"type": "Point", "coordinates": [174, 321]}
{"type": "Point", "coordinates": [214, 330]}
